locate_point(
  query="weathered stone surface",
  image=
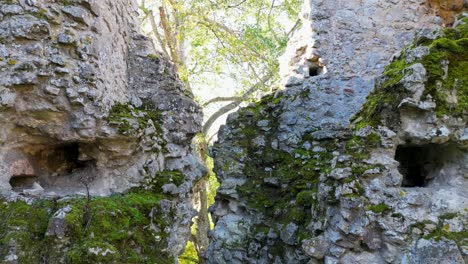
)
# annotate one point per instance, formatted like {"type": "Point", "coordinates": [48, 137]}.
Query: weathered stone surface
{"type": "Point", "coordinates": [376, 180]}
{"type": "Point", "coordinates": [430, 251]}
{"type": "Point", "coordinates": [87, 105]}
{"type": "Point", "coordinates": [28, 27]}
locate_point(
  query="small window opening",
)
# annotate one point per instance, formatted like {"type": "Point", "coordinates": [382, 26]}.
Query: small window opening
{"type": "Point", "coordinates": [20, 182]}
{"type": "Point", "coordinates": [315, 67]}
{"type": "Point", "coordinates": [420, 164]}
{"type": "Point", "coordinates": [314, 71]}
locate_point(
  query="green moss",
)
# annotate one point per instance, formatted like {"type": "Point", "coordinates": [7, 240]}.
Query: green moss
{"type": "Point", "coordinates": [41, 14]}
{"type": "Point", "coordinates": [125, 226]}
{"type": "Point", "coordinates": [25, 224]}
{"type": "Point", "coordinates": [442, 230]}
{"type": "Point", "coordinates": [354, 143]}
{"type": "Point", "coordinates": [421, 225]}
{"type": "Point", "coordinates": [165, 177]}
{"type": "Point", "coordinates": [448, 216]}
{"type": "Point", "coordinates": [453, 50]}
{"type": "Point", "coordinates": [119, 111]}
{"type": "Point", "coordinates": [378, 208]}
{"type": "Point", "coordinates": [397, 215]}
{"type": "Point", "coordinates": [385, 98]}
{"type": "Point", "coordinates": [439, 234]}
{"type": "Point", "coordinates": [125, 114]}
{"type": "Point", "coordinates": [359, 169]}
{"type": "Point", "coordinates": [306, 198]}
{"type": "Point", "coordinates": [373, 139]}
{"type": "Point", "coordinates": [357, 148]}
{"type": "Point", "coordinates": [381, 106]}
{"type": "Point", "coordinates": [94, 252]}
{"type": "Point", "coordinates": [12, 62]}
{"type": "Point", "coordinates": [66, 2]}
{"type": "Point", "coordinates": [154, 57]}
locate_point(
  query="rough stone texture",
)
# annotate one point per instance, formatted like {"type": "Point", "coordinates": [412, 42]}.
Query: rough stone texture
{"type": "Point", "coordinates": [387, 187]}
{"type": "Point", "coordinates": [86, 103]}
{"type": "Point", "coordinates": [350, 43]}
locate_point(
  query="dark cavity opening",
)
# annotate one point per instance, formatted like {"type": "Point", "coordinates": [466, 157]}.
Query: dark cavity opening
{"type": "Point", "coordinates": [420, 164]}
{"type": "Point", "coordinates": [61, 159]}
{"type": "Point", "coordinates": [315, 68]}
{"type": "Point", "coordinates": [314, 71]}
{"type": "Point", "coordinates": [59, 169]}
{"type": "Point", "coordinates": [21, 182]}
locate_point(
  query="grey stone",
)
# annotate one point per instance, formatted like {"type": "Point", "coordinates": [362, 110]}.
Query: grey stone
{"type": "Point", "coordinates": [54, 97]}
{"type": "Point", "coordinates": [431, 251]}
{"type": "Point", "coordinates": [57, 224]}
{"type": "Point", "coordinates": [64, 38]}
{"type": "Point", "coordinates": [340, 173]}
{"type": "Point", "coordinates": [57, 60]}
{"type": "Point", "coordinates": [316, 247]}
{"type": "Point", "coordinates": [288, 234]}
{"type": "Point", "coordinates": [79, 14]}
{"type": "Point", "coordinates": [12, 10]}
{"type": "Point", "coordinates": [29, 27]}
{"type": "Point", "coordinates": [360, 212]}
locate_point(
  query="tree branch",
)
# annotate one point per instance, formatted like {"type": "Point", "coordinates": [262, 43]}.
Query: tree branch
{"type": "Point", "coordinates": [208, 22]}
{"type": "Point", "coordinates": [269, 22]}
{"type": "Point", "coordinates": [157, 35]}
{"type": "Point", "coordinates": [208, 141]}
{"type": "Point", "coordinates": [227, 108]}
{"type": "Point", "coordinates": [236, 5]}
{"type": "Point", "coordinates": [223, 99]}
{"type": "Point", "coordinates": [170, 38]}
{"type": "Point", "coordinates": [298, 22]}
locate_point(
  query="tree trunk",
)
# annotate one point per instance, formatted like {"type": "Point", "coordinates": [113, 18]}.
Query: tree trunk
{"type": "Point", "coordinates": [202, 221]}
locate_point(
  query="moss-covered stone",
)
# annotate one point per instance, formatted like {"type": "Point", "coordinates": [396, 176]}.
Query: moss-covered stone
{"type": "Point", "coordinates": [165, 177]}
{"type": "Point", "coordinates": [12, 62]}
{"type": "Point", "coordinates": [378, 208]}
{"type": "Point", "coordinates": [450, 50]}
{"type": "Point", "coordinates": [442, 230]}
{"type": "Point", "coordinates": [306, 198]}
{"type": "Point", "coordinates": [154, 57]}
{"type": "Point", "coordinates": [122, 114]}
{"type": "Point", "coordinates": [118, 229]}
{"type": "Point", "coordinates": [454, 52]}
{"type": "Point", "coordinates": [280, 186]}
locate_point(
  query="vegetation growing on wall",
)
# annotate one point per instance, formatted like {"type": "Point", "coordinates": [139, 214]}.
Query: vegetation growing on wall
{"type": "Point", "coordinates": [283, 187]}
{"type": "Point", "coordinates": [123, 228]}
{"type": "Point", "coordinates": [448, 88]}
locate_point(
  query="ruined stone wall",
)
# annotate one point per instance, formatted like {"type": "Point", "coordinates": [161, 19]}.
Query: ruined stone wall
{"type": "Point", "coordinates": [341, 48]}
{"type": "Point", "coordinates": [88, 106]}
{"type": "Point", "coordinates": [317, 173]}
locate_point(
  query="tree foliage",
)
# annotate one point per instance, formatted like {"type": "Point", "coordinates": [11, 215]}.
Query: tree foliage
{"type": "Point", "coordinates": [214, 42]}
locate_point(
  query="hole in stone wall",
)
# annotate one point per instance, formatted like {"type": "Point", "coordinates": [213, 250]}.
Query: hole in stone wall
{"type": "Point", "coordinates": [315, 68]}
{"type": "Point", "coordinates": [314, 71]}
{"type": "Point", "coordinates": [60, 159]}
{"type": "Point", "coordinates": [20, 182]}
{"type": "Point", "coordinates": [59, 168]}
{"type": "Point", "coordinates": [421, 164]}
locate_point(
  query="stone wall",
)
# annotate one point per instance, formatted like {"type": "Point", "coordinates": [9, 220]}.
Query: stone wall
{"type": "Point", "coordinates": [311, 175]}
{"type": "Point", "coordinates": [88, 107]}
{"type": "Point", "coordinates": [350, 42]}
